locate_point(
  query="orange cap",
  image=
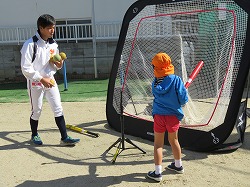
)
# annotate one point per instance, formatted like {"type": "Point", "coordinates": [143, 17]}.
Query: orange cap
{"type": "Point", "coordinates": [162, 65]}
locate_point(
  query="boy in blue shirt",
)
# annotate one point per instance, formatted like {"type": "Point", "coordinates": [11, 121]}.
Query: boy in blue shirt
{"type": "Point", "coordinates": [170, 95]}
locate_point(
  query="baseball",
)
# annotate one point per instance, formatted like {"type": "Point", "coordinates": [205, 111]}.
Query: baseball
{"type": "Point", "coordinates": [63, 55]}
{"type": "Point", "coordinates": [52, 82]}
{"type": "Point", "coordinates": [57, 58]}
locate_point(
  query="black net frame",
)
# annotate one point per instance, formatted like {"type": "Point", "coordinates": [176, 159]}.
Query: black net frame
{"type": "Point", "coordinates": [191, 138]}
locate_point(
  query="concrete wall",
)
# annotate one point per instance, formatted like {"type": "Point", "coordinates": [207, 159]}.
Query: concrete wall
{"type": "Point", "coordinates": [25, 12]}
{"type": "Point", "coordinates": [80, 62]}
{"type": "Point", "coordinates": [9, 58]}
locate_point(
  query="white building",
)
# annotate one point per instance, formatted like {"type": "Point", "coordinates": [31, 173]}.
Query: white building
{"type": "Point", "coordinates": [26, 12]}
{"type": "Point", "coordinates": [91, 54]}
{"type": "Point", "coordinates": [18, 23]}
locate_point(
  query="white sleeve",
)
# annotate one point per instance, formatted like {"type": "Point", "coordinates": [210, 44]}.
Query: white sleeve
{"type": "Point", "coordinates": [26, 62]}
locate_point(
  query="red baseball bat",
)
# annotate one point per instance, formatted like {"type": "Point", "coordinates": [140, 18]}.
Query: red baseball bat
{"type": "Point", "coordinates": [194, 73]}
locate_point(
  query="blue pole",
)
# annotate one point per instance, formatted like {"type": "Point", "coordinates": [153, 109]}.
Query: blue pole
{"type": "Point", "coordinates": [65, 76]}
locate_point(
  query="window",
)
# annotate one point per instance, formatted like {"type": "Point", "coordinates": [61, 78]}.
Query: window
{"type": "Point", "coordinates": [74, 29]}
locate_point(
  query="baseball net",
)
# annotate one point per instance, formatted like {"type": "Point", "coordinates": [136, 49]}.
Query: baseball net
{"type": "Point", "coordinates": [189, 31]}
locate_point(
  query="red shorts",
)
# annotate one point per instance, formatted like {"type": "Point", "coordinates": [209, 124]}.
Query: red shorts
{"type": "Point", "coordinates": [163, 123]}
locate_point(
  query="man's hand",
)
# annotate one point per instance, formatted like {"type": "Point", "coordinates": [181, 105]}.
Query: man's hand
{"type": "Point", "coordinates": [58, 64]}
{"type": "Point", "coordinates": [58, 59]}
{"type": "Point", "coordinates": [47, 82]}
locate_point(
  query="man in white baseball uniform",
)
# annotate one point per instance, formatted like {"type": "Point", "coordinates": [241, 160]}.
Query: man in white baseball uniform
{"type": "Point", "coordinates": [39, 70]}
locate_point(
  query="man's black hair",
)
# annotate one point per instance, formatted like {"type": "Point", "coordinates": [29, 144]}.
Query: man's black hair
{"type": "Point", "coordinates": [45, 20]}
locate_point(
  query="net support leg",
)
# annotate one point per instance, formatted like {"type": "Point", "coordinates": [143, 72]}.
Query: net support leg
{"type": "Point", "coordinates": [121, 147]}
{"type": "Point", "coordinates": [130, 142]}
{"type": "Point", "coordinates": [121, 144]}
{"type": "Point", "coordinates": [122, 139]}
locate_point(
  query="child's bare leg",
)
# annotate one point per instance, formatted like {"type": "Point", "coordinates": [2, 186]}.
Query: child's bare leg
{"type": "Point", "coordinates": [175, 146]}
{"type": "Point", "coordinates": [158, 147]}
{"type": "Point", "coordinates": [176, 149]}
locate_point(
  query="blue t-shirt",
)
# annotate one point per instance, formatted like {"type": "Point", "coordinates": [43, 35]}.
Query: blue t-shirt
{"type": "Point", "coordinates": [169, 95]}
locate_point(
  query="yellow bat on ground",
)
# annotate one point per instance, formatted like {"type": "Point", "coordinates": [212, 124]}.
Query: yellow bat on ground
{"type": "Point", "coordinates": [82, 131]}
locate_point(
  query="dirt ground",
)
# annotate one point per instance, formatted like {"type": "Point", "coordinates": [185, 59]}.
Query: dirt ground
{"type": "Point", "coordinates": [89, 164]}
